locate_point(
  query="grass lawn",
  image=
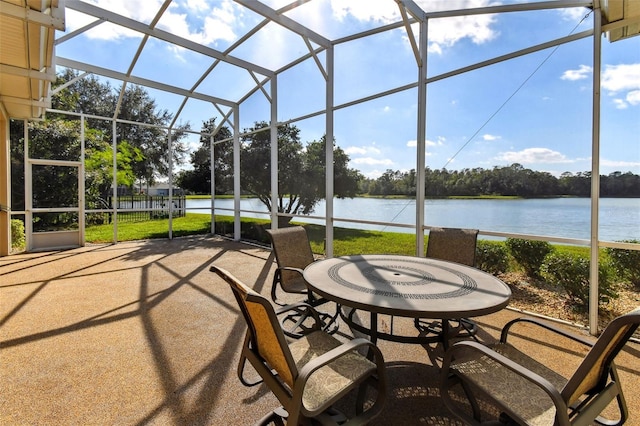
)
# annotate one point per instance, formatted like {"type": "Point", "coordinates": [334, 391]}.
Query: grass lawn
{"type": "Point", "coordinates": [191, 224]}
{"type": "Point", "coordinates": [346, 241]}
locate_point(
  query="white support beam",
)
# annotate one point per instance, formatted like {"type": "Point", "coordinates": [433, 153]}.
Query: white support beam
{"type": "Point", "coordinates": [275, 187]}
{"type": "Point", "coordinates": [594, 265]}
{"type": "Point", "coordinates": [131, 24]}
{"type": "Point", "coordinates": [415, 10]}
{"type": "Point", "coordinates": [237, 234]}
{"type": "Point", "coordinates": [522, 7]}
{"type": "Point", "coordinates": [51, 19]}
{"type": "Point", "coordinates": [105, 72]}
{"type": "Point", "coordinates": [78, 32]}
{"type": "Point", "coordinates": [169, 154]}
{"type": "Point", "coordinates": [47, 74]}
{"type": "Point", "coordinates": [329, 169]}
{"type": "Point", "coordinates": [421, 138]}
{"type": "Point", "coordinates": [285, 21]}
{"type": "Point", "coordinates": [410, 35]}
{"type": "Point", "coordinates": [42, 103]}
{"type": "Point", "coordinates": [315, 58]}
{"type": "Point", "coordinates": [212, 189]}
{"type": "Point", "coordinates": [260, 85]}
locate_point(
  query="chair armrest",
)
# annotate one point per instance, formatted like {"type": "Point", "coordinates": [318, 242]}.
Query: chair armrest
{"type": "Point", "coordinates": [290, 268]}
{"type": "Point", "coordinates": [536, 379]}
{"type": "Point", "coordinates": [545, 325]}
{"type": "Point", "coordinates": [336, 353]}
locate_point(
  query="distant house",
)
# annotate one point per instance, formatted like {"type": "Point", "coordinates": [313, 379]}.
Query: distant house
{"type": "Point", "coordinates": [162, 189]}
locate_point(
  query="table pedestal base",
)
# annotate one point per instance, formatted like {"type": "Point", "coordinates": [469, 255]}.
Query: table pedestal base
{"type": "Point", "coordinates": [438, 330]}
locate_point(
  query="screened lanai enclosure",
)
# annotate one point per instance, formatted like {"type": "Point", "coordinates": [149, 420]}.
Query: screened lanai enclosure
{"type": "Point", "coordinates": [104, 102]}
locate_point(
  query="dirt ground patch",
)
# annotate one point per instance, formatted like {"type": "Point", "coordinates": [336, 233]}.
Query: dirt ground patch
{"type": "Point", "coordinates": [541, 298]}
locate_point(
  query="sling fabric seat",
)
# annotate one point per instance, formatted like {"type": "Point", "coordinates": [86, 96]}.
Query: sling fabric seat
{"type": "Point", "coordinates": [530, 393]}
{"type": "Point", "coordinates": [453, 245]}
{"type": "Point", "coordinates": [310, 374]}
{"type": "Point", "coordinates": [293, 253]}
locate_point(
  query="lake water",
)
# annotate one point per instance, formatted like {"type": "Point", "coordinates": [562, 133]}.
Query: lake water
{"type": "Point", "coordinates": [557, 217]}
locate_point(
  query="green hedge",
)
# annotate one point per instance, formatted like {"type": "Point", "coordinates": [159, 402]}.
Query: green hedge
{"type": "Point", "coordinates": [17, 234]}
{"type": "Point", "coordinates": [571, 272]}
{"type": "Point", "coordinates": [529, 254]}
{"type": "Point", "coordinates": [492, 257]}
{"type": "Point", "coordinates": [626, 263]}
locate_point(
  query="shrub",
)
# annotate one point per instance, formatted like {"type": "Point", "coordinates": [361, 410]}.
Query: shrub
{"type": "Point", "coordinates": [626, 263]}
{"type": "Point", "coordinates": [17, 234]}
{"type": "Point", "coordinates": [492, 257]}
{"type": "Point", "coordinates": [571, 272]}
{"type": "Point", "coordinates": [529, 254]}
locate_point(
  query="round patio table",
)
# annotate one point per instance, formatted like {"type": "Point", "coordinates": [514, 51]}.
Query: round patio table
{"type": "Point", "coordinates": [407, 286]}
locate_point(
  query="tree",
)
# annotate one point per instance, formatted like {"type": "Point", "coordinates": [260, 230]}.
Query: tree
{"type": "Point", "coordinates": [89, 95]}
{"type": "Point", "coordinates": [301, 170]}
{"type": "Point", "coordinates": [198, 180]}
{"type": "Point", "coordinates": [55, 186]}
{"type": "Point", "coordinates": [137, 106]}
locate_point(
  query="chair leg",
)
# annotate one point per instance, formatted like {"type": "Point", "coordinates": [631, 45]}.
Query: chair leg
{"type": "Point", "coordinates": [446, 385]}
{"type": "Point", "coordinates": [276, 417]}
{"type": "Point", "coordinates": [242, 363]}
{"type": "Point", "coordinates": [622, 403]}
{"type": "Point", "coordinates": [472, 400]}
{"type": "Point", "coordinates": [331, 324]}
{"type": "Point", "coordinates": [294, 326]}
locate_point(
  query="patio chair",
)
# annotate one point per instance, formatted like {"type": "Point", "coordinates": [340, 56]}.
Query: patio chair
{"type": "Point", "coordinates": [310, 374]}
{"type": "Point", "coordinates": [293, 254]}
{"type": "Point", "coordinates": [527, 391]}
{"type": "Point", "coordinates": [453, 245]}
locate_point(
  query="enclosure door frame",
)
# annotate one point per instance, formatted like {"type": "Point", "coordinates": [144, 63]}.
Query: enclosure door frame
{"type": "Point", "coordinates": [53, 240]}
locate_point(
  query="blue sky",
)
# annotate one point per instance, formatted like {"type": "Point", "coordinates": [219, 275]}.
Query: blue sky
{"type": "Point", "coordinates": [533, 110]}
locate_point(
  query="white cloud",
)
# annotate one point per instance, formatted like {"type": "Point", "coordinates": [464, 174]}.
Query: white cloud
{"type": "Point", "coordinates": [633, 97]}
{"type": "Point", "coordinates": [443, 32]}
{"type": "Point", "coordinates": [533, 156]}
{"type": "Point", "coordinates": [197, 5]}
{"type": "Point", "coordinates": [140, 10]}
{"type": "Point", "coordinates": [361, 150]}
{"type": "Point", "coordinates": [618, 78]}
{"type": "Point", "coordinates": [581, 73]}
{"type": "Point", "coordinates": [373, 174]}
{"type": "Point", "coordinates": [447, 32]}
{"type": "Point", "coordinates": [620, 104]}
{"type": "Point", "coordinates": [439, 142]}
{"type": "Point", "coordinates": [622, 78]}
{"type": "Point", "coordinates": [370, 161]}
{"type": "Point", "coordinates": [217, 24]}
{"type": "Point", "coordinates": [366, 10]}
{"type": "Point", "coordinates": [573, 14]}
{"type": "Point", "coordinates": [489, 137]}
{"type": "Point", "coordinates": [620, 164]}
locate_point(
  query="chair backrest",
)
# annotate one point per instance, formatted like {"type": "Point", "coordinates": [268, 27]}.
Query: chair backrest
{"type": "Point", "coordinates": [292, 249]}
{"type": "Point", "coordinates": [453, 244]}
{"type": "Point", "coordinates": [592, 374]}
{"type": "Point", "coordinates": [267, 337]}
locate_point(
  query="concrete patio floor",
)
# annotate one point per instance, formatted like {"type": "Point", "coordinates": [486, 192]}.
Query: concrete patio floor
{"type": "Point", "coordinates": [142, 333]}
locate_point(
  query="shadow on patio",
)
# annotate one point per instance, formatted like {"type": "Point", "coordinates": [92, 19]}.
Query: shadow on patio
{"type": "Point", "coordinates": [143, 333]}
